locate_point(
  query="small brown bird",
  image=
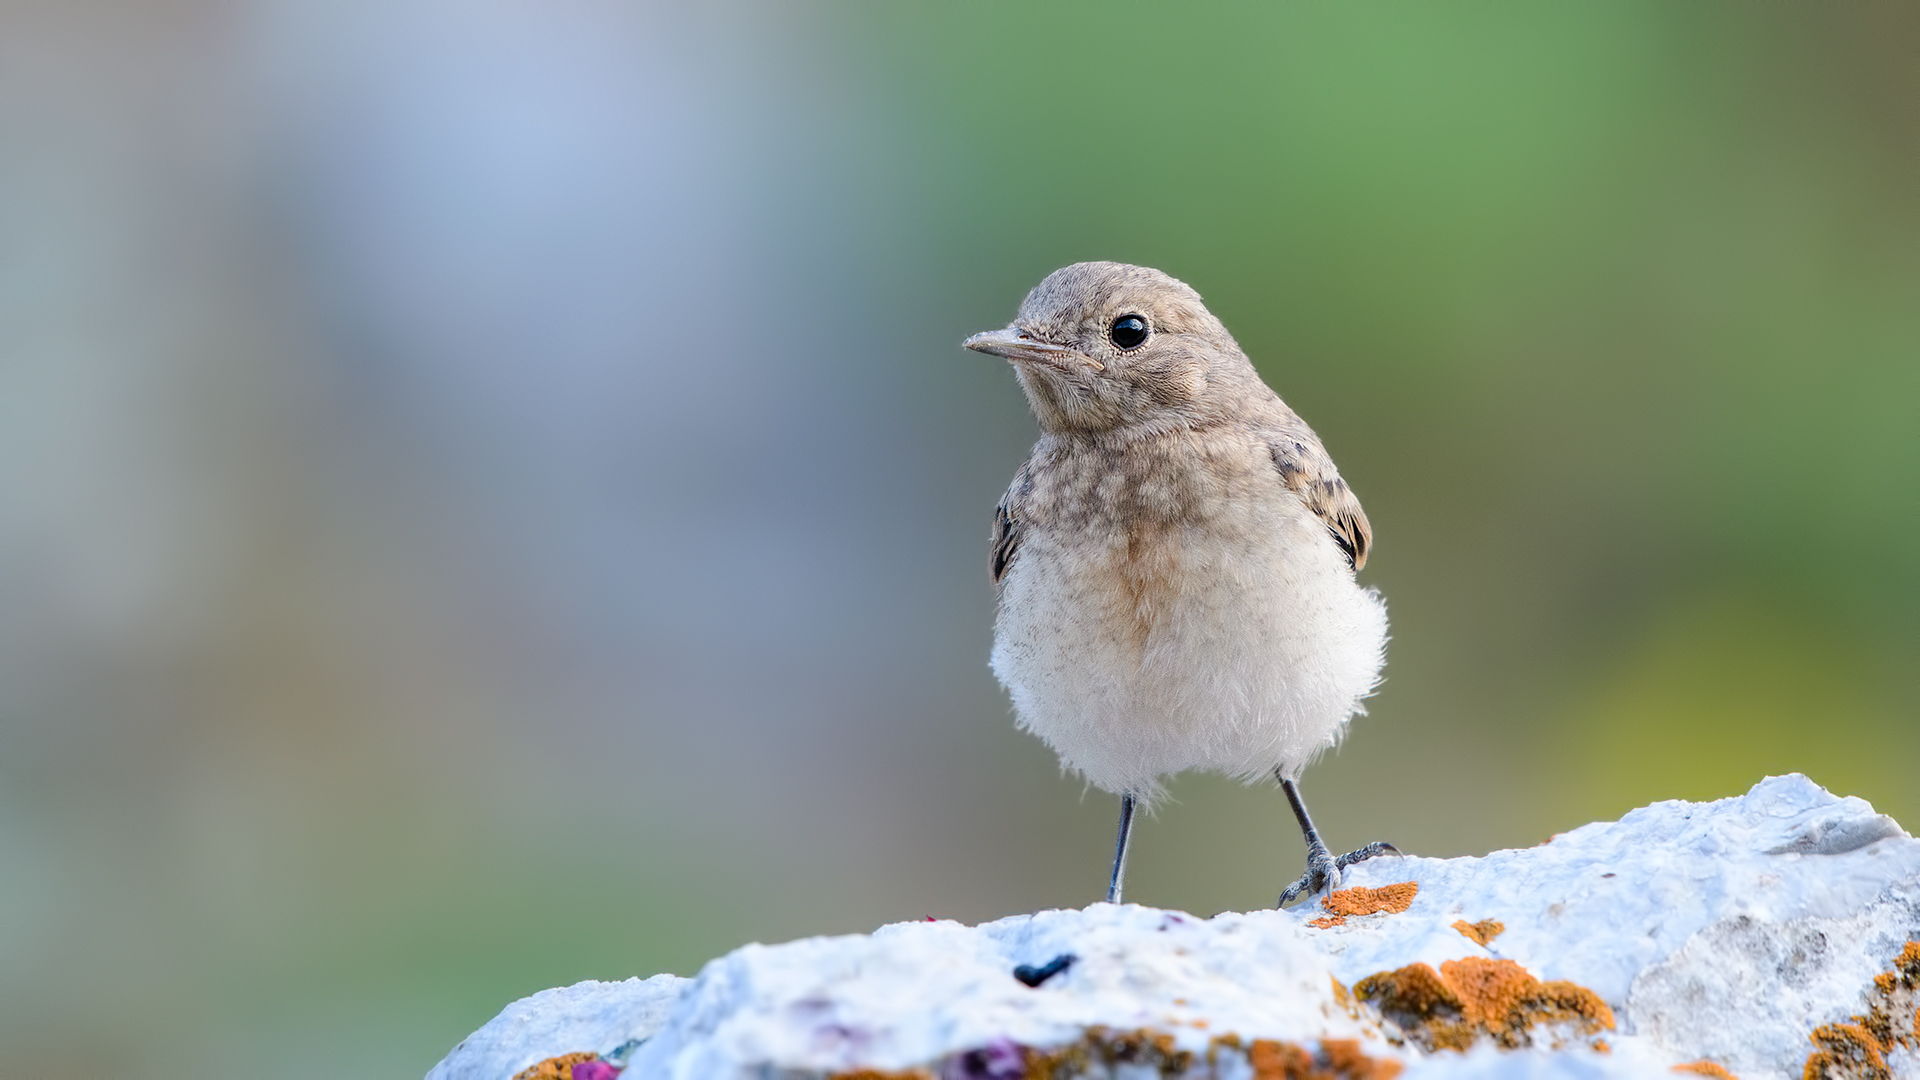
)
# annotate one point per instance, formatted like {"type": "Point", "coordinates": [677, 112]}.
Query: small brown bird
{"type": "Point", "coordinates": [1176, 558]}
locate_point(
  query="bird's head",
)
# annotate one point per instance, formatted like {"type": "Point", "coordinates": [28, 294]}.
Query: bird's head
{"type": "Point", "coordinates": [1100, 346]}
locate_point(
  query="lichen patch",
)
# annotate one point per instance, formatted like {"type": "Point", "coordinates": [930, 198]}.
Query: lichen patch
{"type": "Point", "coordinates": [1145, 1052]}
{"type": "Point", "coordinates": [1846, 1052]}
{"type": "Point", "coordinates": [556, 1068]}
{"type": "Point", "coordinates": [1337, 1059]}
{"type": "Point", "coordinates": [1705, 1068]}
{"type": "Point", "coordinates": [1474, 998]}
{"type": "Point", "coordinates": [1100, 1052]}
{"type": "Point", "coordinates": [1858, 1049]}
{"type": "Point", "coordinates": [1360, 900]}
{"type": "Point", "coordinates": [1482, 932]}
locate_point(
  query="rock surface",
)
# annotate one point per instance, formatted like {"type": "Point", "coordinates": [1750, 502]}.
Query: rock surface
{"type": "Point", "coordinates": [1746, 936]}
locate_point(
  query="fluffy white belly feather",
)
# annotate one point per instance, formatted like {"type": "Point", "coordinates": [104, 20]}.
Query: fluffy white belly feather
{"type": "Point", "coordinates": [1239, 647]}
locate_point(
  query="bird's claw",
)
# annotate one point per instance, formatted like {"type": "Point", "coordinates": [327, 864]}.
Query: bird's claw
{"type": "Point", "coordinates": [1378, 847]}
{"type": "Point", "coordinates": [1325, 873]}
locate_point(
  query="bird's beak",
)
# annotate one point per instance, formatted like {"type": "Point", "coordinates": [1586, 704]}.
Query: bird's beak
{"type": "Point", "coordinates": [1015, 344]}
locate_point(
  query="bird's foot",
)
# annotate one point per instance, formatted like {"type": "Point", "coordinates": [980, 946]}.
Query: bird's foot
{"type": "Point", "coordinates": [1325, 873]}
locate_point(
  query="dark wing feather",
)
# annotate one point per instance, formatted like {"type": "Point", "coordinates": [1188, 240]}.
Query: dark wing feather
{"type": "Point", "coordinates": [1309, 473]}
{"type": "Point", "coordinates": [1007, 527]}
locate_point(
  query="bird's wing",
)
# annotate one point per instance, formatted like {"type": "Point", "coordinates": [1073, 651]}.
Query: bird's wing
{"type": "Point", "coordinates": [1007, 527]}
{"type": "Point", "coordinates": [1309, 473]}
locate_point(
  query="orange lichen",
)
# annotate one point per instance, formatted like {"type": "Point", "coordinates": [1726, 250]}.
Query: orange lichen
{"type": "Point", "coordinates": [556, 1068]}
{"type": "Point", "coordinates": [1338, 1059]}
{"type": "Point", "coordinates": [1857, 1049]}
{"type": "Point", "coordinates": [1896, 993]}
{"type": "Point", "coordinates": [1106, 1048]}
{"type": "Point", "coordinates": [1480, 932]}
{"type": "Point", "coordinates": [1847, 1052]}
{"type": "Point", "coordinates": [1467, 999]}
{"type": "Point", "coordinates": [1706, 1068]}
{"type": "Point", "coordinates": [1360, 900]}
{"type": "Point", "coordinates": [1343, 997]}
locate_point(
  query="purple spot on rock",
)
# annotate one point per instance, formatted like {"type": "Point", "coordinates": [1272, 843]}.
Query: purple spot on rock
{"type": "Point", "coordinates": [595, 1070]}
{"type": "Point", "coordinates": [1001, 1059]}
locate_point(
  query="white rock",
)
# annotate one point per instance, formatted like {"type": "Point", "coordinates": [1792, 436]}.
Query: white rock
{"type": "Point", "coordinates": [600, 1016]}
{"type": "Point", "coordinates": [1726, 931]}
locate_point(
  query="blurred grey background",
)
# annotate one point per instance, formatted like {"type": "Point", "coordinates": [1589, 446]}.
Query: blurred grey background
{"type": "Point", "coordinates": [490, 494]}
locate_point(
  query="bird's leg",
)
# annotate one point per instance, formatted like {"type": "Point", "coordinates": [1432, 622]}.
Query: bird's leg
{"type": "Point", "coordinates": [1323, 873]}
{"type": "Point", "coordinates": [1323, 870]}
{"type": "Point", "coordinates": [1120, 849]}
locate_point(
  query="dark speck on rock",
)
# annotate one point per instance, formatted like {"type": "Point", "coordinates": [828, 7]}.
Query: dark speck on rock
{"type": "Point", "coordinates": [1034, 976]}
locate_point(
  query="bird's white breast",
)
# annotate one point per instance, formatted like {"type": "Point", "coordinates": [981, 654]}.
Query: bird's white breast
{"type": "Point", "coordinates": [1181, 610]}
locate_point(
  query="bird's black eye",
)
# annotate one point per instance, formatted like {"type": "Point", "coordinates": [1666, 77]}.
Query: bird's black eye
{"type": "Point", "coordinates": [1128, 331]}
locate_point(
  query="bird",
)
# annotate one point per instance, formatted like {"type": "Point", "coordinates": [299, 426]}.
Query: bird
{"type": "Point", "coordinates": [1176, 557]}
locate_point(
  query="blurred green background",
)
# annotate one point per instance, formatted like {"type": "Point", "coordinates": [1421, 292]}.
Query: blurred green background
{"type": "Point", "coordinates": [490, 494]}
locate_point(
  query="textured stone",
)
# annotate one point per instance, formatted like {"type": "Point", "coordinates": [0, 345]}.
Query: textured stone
{"type": "Point", "coordinates": [1753, 934]}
